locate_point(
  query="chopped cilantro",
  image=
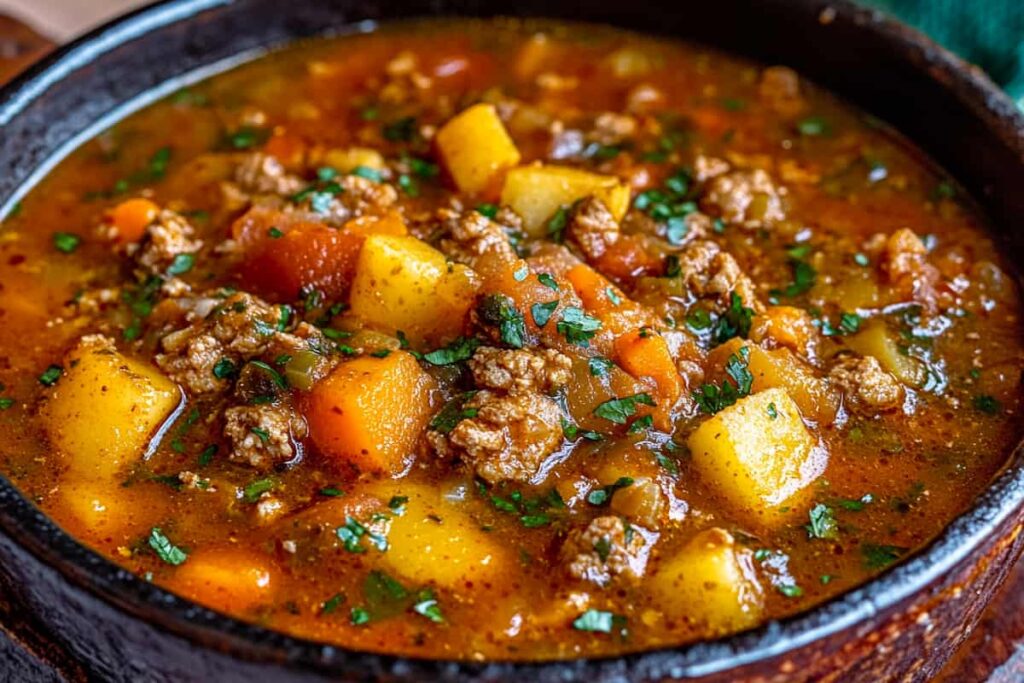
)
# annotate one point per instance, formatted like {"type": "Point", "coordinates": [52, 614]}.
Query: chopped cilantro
{"type": "Point", "coordinates": [51, 375]}
{"type": "Point", "coordinates": [400, 130]}
{"type": "Point", "coordinates": [206, 457]}
{"type": "Point", "coordinates": [253, 490]}
{"type": "Point", "coordinates": [556, 225]}
{"type": "Point", "coordinates": [352, 533]}
{"type": "Point", "coordinates": [576, 326]}
{"type": "Point", "coordinates": [429, 609]}
{"type": "Point", "coordinates": [66, 242]}
{"type": "Point", "coordinates": [548, 281]}
{"type": "Point", "coordinates": [331, 492]}
{"type": "Point", "coordinates": [604, 494]}
{"type": "Point", "coordinates": [735, 322]}
{"type": "Point", "coordinates": [712, 398]}
{"type": "Point", "coordinates": [499, 310]}
{"type": "Point", "coordinates": [790, 590]}
{"type": "Point", "coordinates": [594, 621]}
{"type": "Point", "coordinates": [247, 137]}
{"type": "Point", "coordinates": [164, 549]}
{"type": "Point", "coordinates": [619, 410]}
{"type": "Point", "coordinates": [488, 210]}
{"type": "Point", "coordinates": [453, 412]}
{"type": "Point", "coordinates": [332, 603]}
{"type": "Point", "coordinates": [224, 369]}
{"type": "Point", "coordinates": [641, 424]}
{"type": "Point", "coordinates": [823, 523]}
{"type": "Point", "coordinates": [542, 312]}
{"type": "Point", "coordinates": [359, 616]}
{"type": "Point", "coordinates": [275, 233]}
{"type": "Point", "coordinates": [599, 365]}
{"type": "Point", "coordinates": [6, 403]}
{"type": "Point", "coordinates": [181, 264]}
{"type": "Point", "coordinates": [368, 173]}
{"type": "Point", "coordinates": [986, 404]}
{"type": "Point", "coordinates": [571, 432]}
{"type": "Point", "coordinates": [813, 126]}
{"type": "Point", "coordinates": [459, 350]}
{"type": "Point", "coordinates": [878, 556]}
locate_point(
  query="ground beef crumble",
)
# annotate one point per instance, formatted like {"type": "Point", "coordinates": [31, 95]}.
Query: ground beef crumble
{"type": "Point", "coordinates": [867, 388]}
{"type": "Point", "coordinates": [748, 198]}
{"type": "Point", "coordinates": [263, 435]}
{"type": "Point", "coordinates": [509, 437]}
{"type": "Point", "coordinates": [167, 237]}
{"type": "Point", "coordinates": [511, 370]}
{"type": "Point", "coordinates": [593, 228]}
{"type": "Point", "coordinates": [607, 548]}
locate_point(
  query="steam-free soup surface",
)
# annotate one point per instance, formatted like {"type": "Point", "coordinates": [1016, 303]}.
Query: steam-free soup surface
{"type": "Point", "coordinates": [504, 341]}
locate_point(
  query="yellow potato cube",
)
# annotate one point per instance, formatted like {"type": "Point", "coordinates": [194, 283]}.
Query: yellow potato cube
{"type": "Point", "coordinates": [228, 579]}
{"type": "Point", "coordinates": [434, 541]}
{"type": "Point", "coordinates": [780, 368]}
{"type": "Point", "coordinates": [758, 456]}
{"type": "Point", "coordinates": [536, 192]}
{"type": "Point", "coordinates": [105, 409]}
{"type": "Point", "coordinates": [351, 158]}
{"type": "Point", "coordinates": [711, 583]}
{"type": "Point", "coordinates": [476, 149]}
{"type": "Point", "coordinates": [101, 511]}
{"type": "Point", "coordinates": [402, 283]}
{"type": "Point", "coordinates": [875, 340]}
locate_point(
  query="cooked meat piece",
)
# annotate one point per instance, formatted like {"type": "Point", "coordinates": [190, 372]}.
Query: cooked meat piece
{"type": "Point", "coordinates": [358, 196]}
{"type": "Point", "coordinates": [166, 237]}
{"type": "Point", "coordinates": [611, 128]}
{"type": "Point", "coordinates": [605, 549]}
{"type": "Point", "coordinates": [543, 370]}
{"type": "Point", "coordinates": [509, 437]}
{"type": "Point", "coordinates": [903, 259]}
{"type": "Point", "coordinates": [593, 228]}
{"type": "Point", "coordinates": [867, 388]}
{"type": "Point", "coordinates": [780, 88]}
{"type": "Point", "coordinates": [705, 168]}
{"type": "Point", "coordinates": [260, 173]}
{"type": "Point", "coordinates": [237, 329]}
{"type": "Point", "coordinates": [471, 235]}
{"type": "Point", "coordinates": [747, 198]}
{"type": "Point", "coordinates": [566, 143]}
{"type": "Point", "coordinates": [263, 435]}
{"type": "Point", "coordinates": [708, 271]}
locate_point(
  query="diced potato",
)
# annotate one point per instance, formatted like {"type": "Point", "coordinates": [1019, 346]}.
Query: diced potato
{"type": "Point", "coordinates": [370, 411]}
{"type": "Point", "coordinates": [642, 501]}
{"type": "Point", "coordinates": [586, 391]}
{"type": "Point", "coordinates": [536, 192]}
{"type": "Point", "coordinates": [780, 368]}
{"type": "Point", "coordinates": [758, 456]}
{"type": "Point", "coordinates": [711, 583]}
{"type": "Point", "coordinates": [107, 510]}
{"type": "Point", "coordinates": [105, 409]}
{"type": "Point", "coordinates": [436, 542]}
{"type": "Point", "coordinates": [402, 283]}
{"type": "Point", "coordinates": [875, 340]}
{"type": "Point", "coordinates": [476, 149]}
{"type": "Point", "coordinates": [228, 580]}
{"type": "Point", "coordinates": [347, 160]}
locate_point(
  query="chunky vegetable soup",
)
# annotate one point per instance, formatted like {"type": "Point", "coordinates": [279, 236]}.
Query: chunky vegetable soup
{"type": "Point", "coordinates": [503, 340]}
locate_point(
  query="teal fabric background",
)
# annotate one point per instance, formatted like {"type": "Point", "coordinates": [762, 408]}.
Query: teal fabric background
{"type": "Point", "coordinates": [989, 33]}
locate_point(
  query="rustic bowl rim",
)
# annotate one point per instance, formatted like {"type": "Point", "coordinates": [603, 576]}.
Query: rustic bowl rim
{"type": "Point", "coordinates": [87, 570]}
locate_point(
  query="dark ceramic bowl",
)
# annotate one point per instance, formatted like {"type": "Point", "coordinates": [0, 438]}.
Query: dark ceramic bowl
{"type": "Point", "coordinates": [90, 620]}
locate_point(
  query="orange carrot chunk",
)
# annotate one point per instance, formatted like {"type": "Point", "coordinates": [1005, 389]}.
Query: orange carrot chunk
{"type": "Point", "coordinates": [131, 217]}
{"type": "Point", "coordinates": [369, 412]}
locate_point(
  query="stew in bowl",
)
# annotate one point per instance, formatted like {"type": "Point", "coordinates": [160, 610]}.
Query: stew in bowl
{"type": "Point", "coordinates": [504, 340]}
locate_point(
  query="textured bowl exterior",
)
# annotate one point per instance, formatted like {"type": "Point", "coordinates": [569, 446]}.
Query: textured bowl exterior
{"type": "Point", "coordinates": [83, 618]}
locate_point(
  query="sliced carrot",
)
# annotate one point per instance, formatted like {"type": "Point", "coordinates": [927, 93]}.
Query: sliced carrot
{"type": "Point", "coordinates": [282, 255]}
{"type": "Point", "coordinates": [645, 355]}
{"type": "Point", "coordinates": [131, 217]}
{"type": "Point", "coordinates": [605, 301]}
{"type": "Point", "coordinates": [369, 412]}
